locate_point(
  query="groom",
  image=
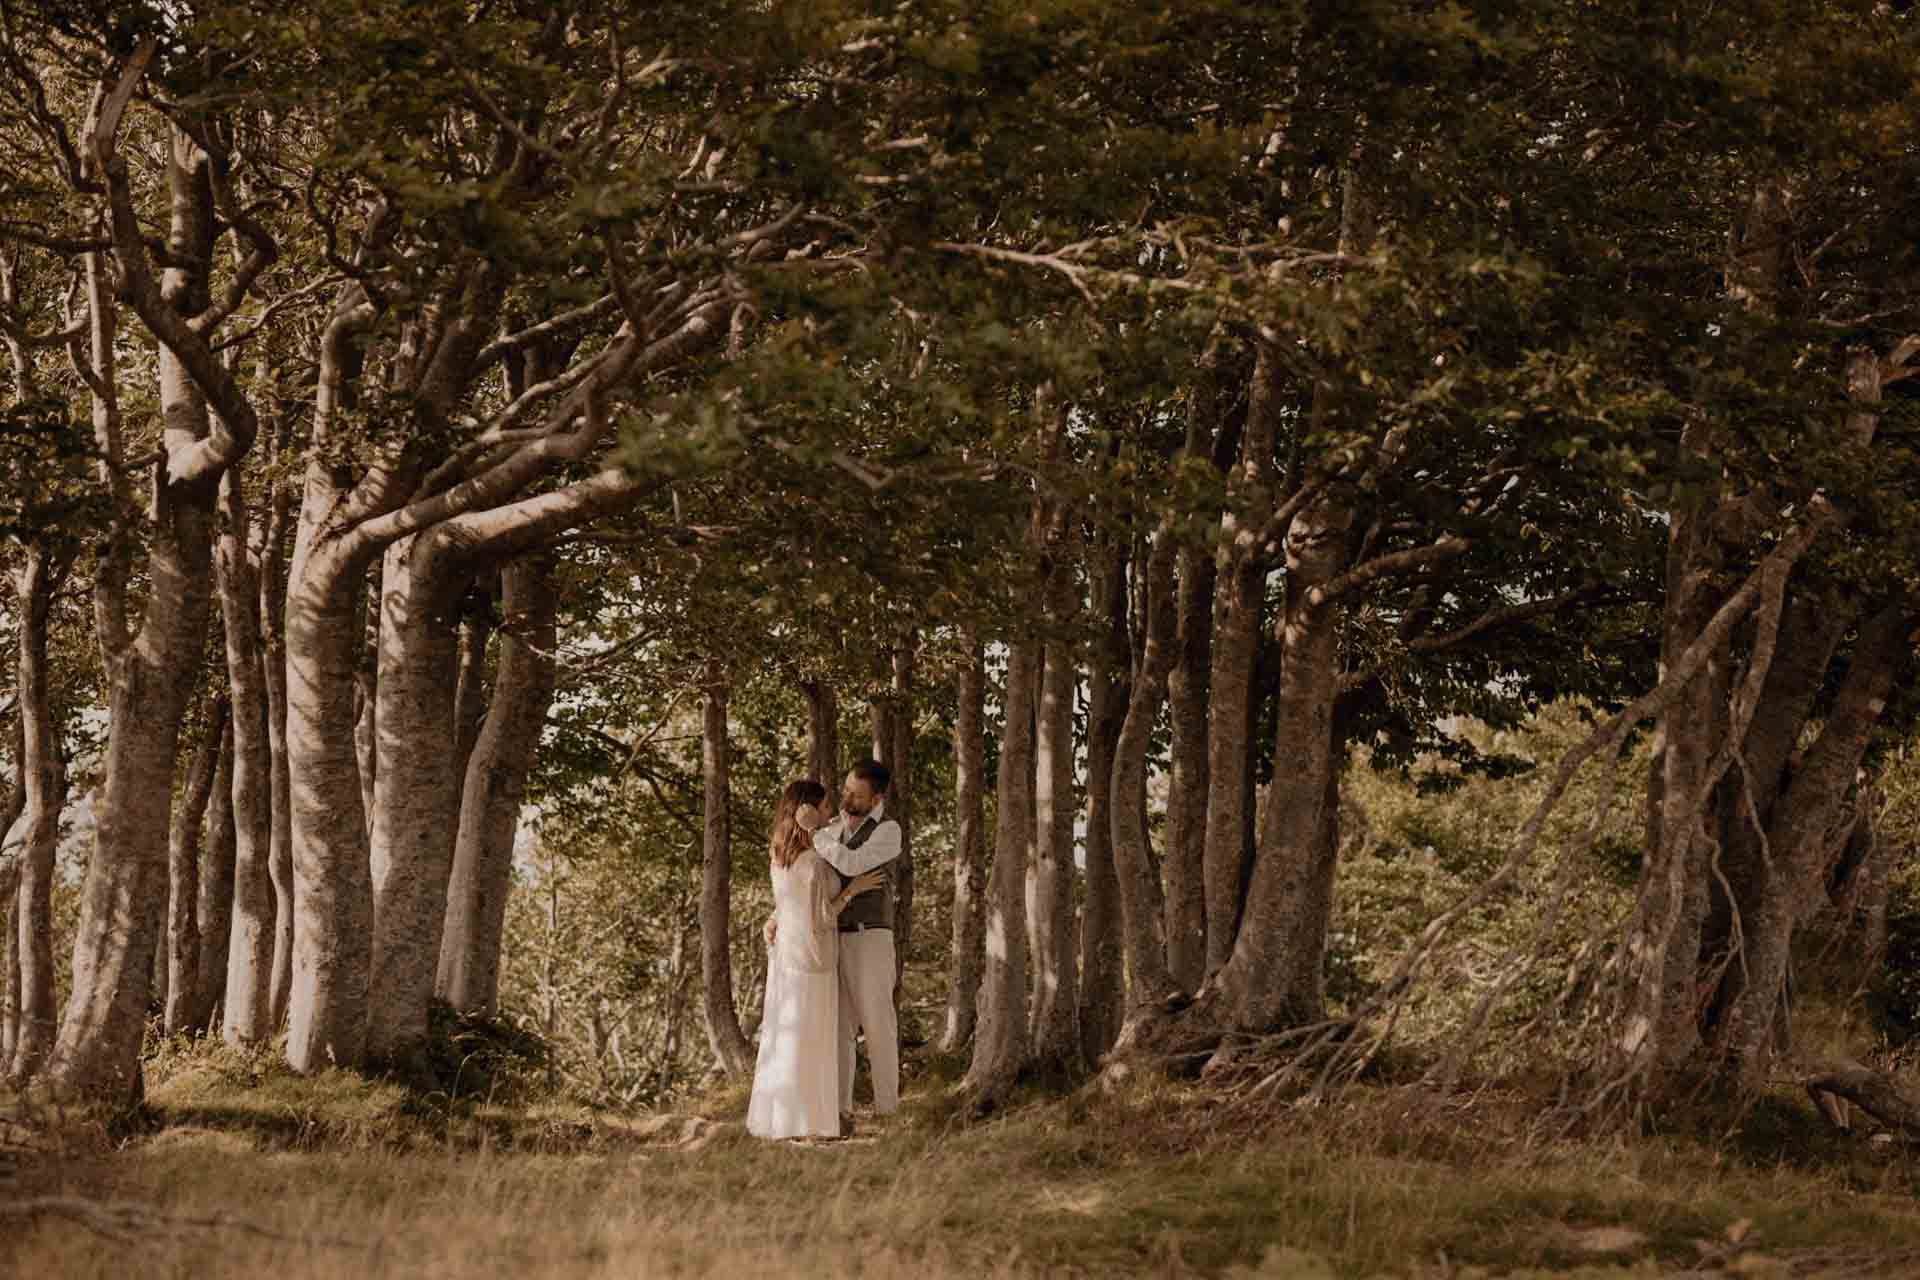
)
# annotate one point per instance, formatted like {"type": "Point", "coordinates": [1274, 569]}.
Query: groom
{"type": "Point", "coordinates": [859, 839]}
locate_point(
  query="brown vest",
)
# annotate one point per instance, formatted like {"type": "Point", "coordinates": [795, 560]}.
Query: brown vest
{"type": "Point", "coordinates": [874, 908]}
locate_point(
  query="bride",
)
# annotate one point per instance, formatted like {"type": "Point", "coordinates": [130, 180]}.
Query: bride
{"type": "Point", "coordinates": [796, 1083]}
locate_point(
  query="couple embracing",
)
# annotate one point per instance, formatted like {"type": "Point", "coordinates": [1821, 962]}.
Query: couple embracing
{"type": "Point", "coordinates": [830, 966]}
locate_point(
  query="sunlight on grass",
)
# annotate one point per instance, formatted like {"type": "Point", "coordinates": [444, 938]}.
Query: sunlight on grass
{"type": "Point", "coordinates": [351, 1177]}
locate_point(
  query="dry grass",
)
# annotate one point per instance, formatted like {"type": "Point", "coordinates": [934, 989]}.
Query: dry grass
{"type": "Point", "coordinates": [286, 1179]}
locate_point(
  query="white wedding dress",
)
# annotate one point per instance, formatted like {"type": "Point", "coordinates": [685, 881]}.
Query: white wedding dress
{"type": "Point", "coordinates": [796, 1083]}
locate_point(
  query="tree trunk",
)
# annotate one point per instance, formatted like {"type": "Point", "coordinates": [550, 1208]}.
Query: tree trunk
{"type": "Point", "coordinates": [1054, 1026]}
{"type": "Point", "coordinates": [248, 962]}
{"type": "Point", "coordinates": [470, 686]}
{"type": "Point", "coordinates": [12, 837]}
{"type": "Point", "coordinates": [823, 734]}
{"type": "Point", "coordinates": [969, 848]}
{"type": "Point", "coordinates": [215, 911]}
{"type": "Point", "coordinates": [273, 610]}
{"type": "Point", "coordinates": [1141, 907]}
{"type": "Point", "coordinates": [1212, 426]}
{"type": "Point", "coordinates": [332, 889]}
{"type": "Point", "coordinates": [1000, 1032]}
{"type": "Point", "coordinates": [469, 976]}
{"type": "Point", "coordinates": [366, 714]}
{"type": "Point", "coordinates": [10, 944]}
{"type": "Point", "coordinates": [1102, 968]}
{"type": "Point", "coordinates": [1187, 787]}
{"type": "Point", "coordinates": [150, 674]}
{"type": "Point", "coordinates": [1056, 1003]}
{"type": "Point", "coordinates": [184, 856]}
{"type": "Point", "coordinates": [1802, 847]}
{"type": "Point", "coordinates": [1661, 1028]}
{"type": "Point", "coordinates": [1274, 977]}
{"type": "Point", "coordinates": [123, 896]}
{"type": "Point", "coordinates": [416, 810]}
{"type": "Point", "coordinates": [899, 758]}
{"type": "Point", "coordinates": [42, 793]}
{"type": "Point", "coordinates": [729, 1044]}
{"type": "Point", "coordinates": [1239, 594]}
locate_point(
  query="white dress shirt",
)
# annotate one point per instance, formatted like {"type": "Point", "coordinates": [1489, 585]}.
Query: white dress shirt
{"type": "Point", "coordinates": [881, 847]}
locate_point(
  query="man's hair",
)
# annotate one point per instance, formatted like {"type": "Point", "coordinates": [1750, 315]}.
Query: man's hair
{"type": "Point", "coordinates": [873, 773]}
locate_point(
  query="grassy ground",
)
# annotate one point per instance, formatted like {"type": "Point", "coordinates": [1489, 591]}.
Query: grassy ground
{"type": "Point", "coordinates": [275, 1178]}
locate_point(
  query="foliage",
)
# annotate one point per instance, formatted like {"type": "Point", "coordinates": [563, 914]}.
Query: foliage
{"type": "Point", "coordinates": [470, 1055]}
{"type": "Point", "coordinates": [1410, 850]}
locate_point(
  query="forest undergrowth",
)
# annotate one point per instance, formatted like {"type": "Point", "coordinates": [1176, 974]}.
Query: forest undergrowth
{"type": "Point", "coordinates": [235, 1167]}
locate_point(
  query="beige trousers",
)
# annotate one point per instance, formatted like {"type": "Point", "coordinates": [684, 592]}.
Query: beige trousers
{"type": "Point", "coordinates": [866, 1004]}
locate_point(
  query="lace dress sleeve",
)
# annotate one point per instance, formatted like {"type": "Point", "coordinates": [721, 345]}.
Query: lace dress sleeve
{"type": "Point", "coordinates": [825, 885]}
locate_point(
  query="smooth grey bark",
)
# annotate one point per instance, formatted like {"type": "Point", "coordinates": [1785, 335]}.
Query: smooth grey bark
{"type": "Point", "coordinates": [1274, 976]}
{"type": "Point", "coordinates": [1055, 1026]}
{"type": "Point", "coordinates": [1000, 1029]}
{"type": "Point", "coordinates": [1239, 594]}
{"type": "Point", "coordinates": [215, 912]}
{"type": "Point", "coordinates": [485, 515]}
{"type": "Point", "coordinates": [497, 768]}
{"type": "Point", "coordinates": [1802, 850]}
{"type": "Point", "coordinates": [273, 609]}
{"type": "Point", "coordinates": [1188, 792]}
{"type": "Point", "coordinates": [416, 788]}
{"type": "Point", "coordinates": [12, 836]}
{"type": "Point", "coordinates": [332, 889]}
{"type": "Point", "coordinates": [969, 847]}
{"type": "Point", "coordinates": [9, 961]}
{"type": "Point", "coordinates": [366, 714]}
{"type": "Point", "coordinates": [729, 1043]}
{"type": "Point", "coordinates": [1102, 961]}
{"type": "Point", "coordinates": [42, 794]}
{"type": "Point", "coordinates": [149, 672]}
{"type": "Point", "coordinates": [471, 686]}
{"type": "Point", "coordinates": [1142, 907]}
{"type": "Point", "coordinates": [246, 1000]}
{"type": "Point", "coordinates": [184, 853]}
{"type": "Point", "coordinates": [1212, 426]}
{"type": "Point", "coordinates": [327, 835]}
{"type": "Point", "coordinates": [892, 724]}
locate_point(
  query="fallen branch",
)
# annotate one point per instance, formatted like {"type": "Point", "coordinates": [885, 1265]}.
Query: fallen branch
{"type": "Point", "coordinates": [1867, 1089]}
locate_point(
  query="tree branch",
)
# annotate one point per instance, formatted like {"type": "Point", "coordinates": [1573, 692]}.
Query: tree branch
{"type": "Point", "coordinates": [1393, 564]}
{"type": "Point", "coordinates": [234, 425]}
{"type": "Point", "coordinates": [587, 314]}
{"type": "Point", "coordinates": [500, 482]}
{"type": "Point", "coordinates": [1505, 617]}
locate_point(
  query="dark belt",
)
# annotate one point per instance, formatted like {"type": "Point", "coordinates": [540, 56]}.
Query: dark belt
{"type": "Point", "coordinates": [857, 927]}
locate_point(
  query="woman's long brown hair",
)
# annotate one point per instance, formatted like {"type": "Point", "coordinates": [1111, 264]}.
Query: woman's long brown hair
{"type": "Point", "coordinates": [789, 838]}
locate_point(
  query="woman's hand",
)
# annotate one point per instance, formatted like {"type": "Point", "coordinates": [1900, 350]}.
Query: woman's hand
{"type": "Point", "coordinates": [864, 881]}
